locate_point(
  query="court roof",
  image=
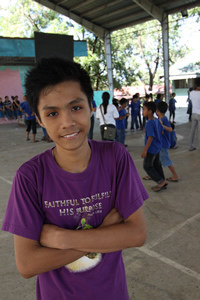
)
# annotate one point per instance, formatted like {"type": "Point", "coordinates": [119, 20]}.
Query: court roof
{"type": "Point", "coordinates": [101, 16]}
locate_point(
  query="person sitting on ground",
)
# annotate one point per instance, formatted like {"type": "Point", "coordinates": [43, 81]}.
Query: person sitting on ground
{"type": "Point", "coordinates": [8, 108]}
{"type": "Point", "coordinates": [2, 110]}
{"type": "Point", "coordinates": [16, 107]}
{"type": "Point", "coordinates": [78, 184]}
{"type": "Point", "coordinates": [166, 129]}
{"type": "Point", "coordinates": [30, 120]}
{"type": "Point", "coordinates": [172, 108]}
{"type": "Point", "coordinates": [152, 164]}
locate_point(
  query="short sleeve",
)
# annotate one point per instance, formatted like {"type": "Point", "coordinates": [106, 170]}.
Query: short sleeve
{"type": "Point", "coordinates": [130, 192]}
{"type": "Point", "coordinates": [24, 215]}
{"type": "Point", "coordinates": [150, 128]}
{"type": "Point", "coordinates": [115, 112]}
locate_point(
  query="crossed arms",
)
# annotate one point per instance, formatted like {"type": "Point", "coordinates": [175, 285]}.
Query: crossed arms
{"type": "Point", "coordinates": [58, 246]}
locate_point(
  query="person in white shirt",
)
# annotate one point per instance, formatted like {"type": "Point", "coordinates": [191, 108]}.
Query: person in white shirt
{"type": "Point", "coordinates": [106, 113]}
{"type": "Point", "coordinates": [195, 98]}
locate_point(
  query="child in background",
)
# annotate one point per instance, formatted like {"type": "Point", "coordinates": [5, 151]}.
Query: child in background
{"type": "Point", "coordinates": [165, 139]}
{"type": "Point", "coordinates": [121, 122]}
{"type": "Point", "coordinates": [135, 107]}
{"type": "Point", "coordinates": [152, 164]}
{"type": "Point", "coordinates": [172, 107]}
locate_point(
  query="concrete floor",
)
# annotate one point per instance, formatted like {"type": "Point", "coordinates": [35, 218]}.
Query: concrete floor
{"type": "Point", "coordinates": [168, 266]}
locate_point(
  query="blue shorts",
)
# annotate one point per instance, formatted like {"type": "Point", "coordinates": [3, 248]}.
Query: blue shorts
{"type": "Point", "coordinates": [164, 157]}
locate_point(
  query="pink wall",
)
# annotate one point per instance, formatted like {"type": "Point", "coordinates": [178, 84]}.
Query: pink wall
{"type": "Point", "coordinates": [10, 84]}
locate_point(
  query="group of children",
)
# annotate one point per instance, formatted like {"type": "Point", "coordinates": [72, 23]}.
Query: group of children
{"type": "Point", "coordinates": [157, 143]}
{"type": "Point", "coordinates": [10, 109]}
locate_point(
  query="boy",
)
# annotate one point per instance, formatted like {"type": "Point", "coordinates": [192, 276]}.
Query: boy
{"type": "Point", "coordinates": [152, 148]}
{"type": "Point", "coordinates": [172, 107]}
{"type": "Point", "coordinates": [121, 122]}
{"type": "Point", "coordinates": [78, 184]}
{"type": "Point", "coordinates": [30, 120]}
{"type": "Point", "coordinates": [165, 139]}
{"type": "Point", "coordinates": [135, 109]}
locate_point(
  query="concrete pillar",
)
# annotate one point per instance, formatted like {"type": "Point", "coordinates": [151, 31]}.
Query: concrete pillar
{"type": "Point", "coordinates": [165, 39]}
{"type": "Point", "coordinates": [107, 41]}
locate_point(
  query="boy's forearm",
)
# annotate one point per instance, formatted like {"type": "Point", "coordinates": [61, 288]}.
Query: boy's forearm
{"type": "Point", "coordinates": [103, 239]}
{"type": "Point", "coordinates": [33, 259]}
{"type": "Point", "coordinates": [108, 239]}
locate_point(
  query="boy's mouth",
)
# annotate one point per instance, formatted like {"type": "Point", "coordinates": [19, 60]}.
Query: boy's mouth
{"type": "Point", "coordinates": [71, 135]}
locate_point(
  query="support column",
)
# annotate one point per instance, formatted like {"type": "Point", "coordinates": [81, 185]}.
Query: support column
{"type": "Point", "coordinates": [107, 42]}
{"type": "Point", "coordinates": [165, 39]}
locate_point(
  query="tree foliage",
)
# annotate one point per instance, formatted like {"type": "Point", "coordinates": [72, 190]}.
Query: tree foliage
{"type": "Point", "coordinates": [136, 51]}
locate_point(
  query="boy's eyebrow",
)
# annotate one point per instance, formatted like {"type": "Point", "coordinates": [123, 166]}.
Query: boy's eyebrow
{"type": "Point", "coordinates": [73, 102]}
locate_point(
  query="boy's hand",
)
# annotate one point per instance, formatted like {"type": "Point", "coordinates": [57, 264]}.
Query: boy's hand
{"type": "Point", "coordinates": [48, 236]}
{"type": "Point", "coordinates": [144, 154]}
{"type": "Point", "coordinates": [112, 218]}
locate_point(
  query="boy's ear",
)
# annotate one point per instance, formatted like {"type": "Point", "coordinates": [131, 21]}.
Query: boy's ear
{"type": "Point", "coordinates": [40, 122]}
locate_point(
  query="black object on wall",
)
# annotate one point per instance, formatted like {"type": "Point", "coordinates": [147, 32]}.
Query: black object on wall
{"type": "Point", "coordinates": [53, 45]}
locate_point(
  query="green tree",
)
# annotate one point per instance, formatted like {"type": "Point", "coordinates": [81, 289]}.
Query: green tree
{"type": "Point", "coordinates": [22, 18]}
{"type": "Point", "coordinates": [136, 51]}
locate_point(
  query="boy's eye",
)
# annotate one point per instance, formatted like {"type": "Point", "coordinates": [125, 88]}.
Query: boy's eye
{"type": "Point", "coordinates": [52, 114]}
{"type": "Point", "coordinates": [76, 108]}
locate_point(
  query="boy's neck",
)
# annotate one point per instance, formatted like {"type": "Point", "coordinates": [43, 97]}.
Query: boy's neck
{"type": "Point", "coordinates": [151, 117]}
{"type": "Point", "coordinates": [75, 161]}
{"type": "Point", "coordinates": [161, 116]}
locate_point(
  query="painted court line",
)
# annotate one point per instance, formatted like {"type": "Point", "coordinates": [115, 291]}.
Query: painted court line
{"type": "Point", "coordinates": [170, 262]}
{"type": "Point", "coordinates": [172, 231]}
{"type": "Point", "coordinates": [5, 180]}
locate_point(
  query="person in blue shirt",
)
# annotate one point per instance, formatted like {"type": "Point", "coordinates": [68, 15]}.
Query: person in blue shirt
{"type": "Point", "coordinates": [172, 107]}
{"type": "Point", "coordinates": [92, 119]}
{"type": "Point", "coordinates": [158, 99]}
{"type": "Point", "coordinates": [121, 122]}
{"type": "Point", "coordinates": [30, 120]}
{"type": "Point", "coordinates": [135, 108]}
{"type": "Point", "coordinates": [166, 131]}
{"type": "Point", "coordinates": [152, 164]}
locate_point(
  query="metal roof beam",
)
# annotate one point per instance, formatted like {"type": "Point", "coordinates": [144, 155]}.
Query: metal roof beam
{"type": "Point", "coordinates": [151, 9]}
{"type": "Point", "coordinates": [102, 6]}
{"type": "Point", "coordinates": [81, 4]}
{"type": "Point", "coordinates": [98, 30]}
{"type": "Point", "coordinates": [113, 13]}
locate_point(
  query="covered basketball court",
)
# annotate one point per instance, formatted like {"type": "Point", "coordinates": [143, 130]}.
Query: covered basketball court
{"type": "Point", "coordinates": [104, 17]}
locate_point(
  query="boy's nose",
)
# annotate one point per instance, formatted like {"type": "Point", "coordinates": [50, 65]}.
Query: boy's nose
{"type": "Point", "coordinates": [67, 119]}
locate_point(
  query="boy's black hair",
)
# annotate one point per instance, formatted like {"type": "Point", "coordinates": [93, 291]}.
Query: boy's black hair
{"type": "Point", "coordinates": [162, 107]}
{"type": "Point", "coordinates": [197, 82]}
{"type": "Point", "coordinates": [150, 106]}
{"type": "Point", "coordinates": [51, 71]}
{"type": "Point", "coordinates": [123, 100]}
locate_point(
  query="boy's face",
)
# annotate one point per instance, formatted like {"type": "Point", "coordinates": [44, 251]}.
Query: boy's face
{"type": "Point", "coordinates": [145, 111]}
{"type": "Point", "coordinates": [65, 113]}
{"type": "Point", "coordinates": [158, 113]}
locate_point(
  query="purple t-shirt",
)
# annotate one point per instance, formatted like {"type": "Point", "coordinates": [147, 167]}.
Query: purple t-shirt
{"type": "Point", "coordinates": [42, 193]}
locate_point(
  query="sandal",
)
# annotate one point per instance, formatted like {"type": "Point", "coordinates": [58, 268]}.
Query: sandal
{"type": "Point", "coordinates": [172, 180]}
{"type": "Point", "coordinates": [146, 178]}
{"type": "Point", "coordinates": [159, 188]}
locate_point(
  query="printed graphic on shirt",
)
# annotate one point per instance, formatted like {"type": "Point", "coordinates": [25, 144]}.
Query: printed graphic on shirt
{"type": "Point", "coordinates": [88, 261]}
{"type": "Point", "coordinates": [82, 210]}
{"type": "Point", "coordinates": [75, 207]}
